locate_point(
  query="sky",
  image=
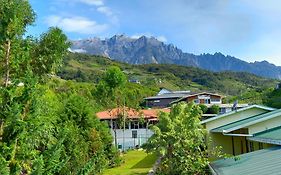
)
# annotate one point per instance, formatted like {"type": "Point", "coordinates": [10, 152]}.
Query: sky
{"type": "Point", "coordinates": [247, 29]}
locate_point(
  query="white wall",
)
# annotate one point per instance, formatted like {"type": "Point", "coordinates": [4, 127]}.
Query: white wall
{"type": "Point", "coordinates": [130, 142]}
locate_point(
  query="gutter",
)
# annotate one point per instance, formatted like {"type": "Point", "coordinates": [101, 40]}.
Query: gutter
{"type": "Point", "coordinates": [212, 170]}
{"type": "Point", "coordinates": [237, 135]}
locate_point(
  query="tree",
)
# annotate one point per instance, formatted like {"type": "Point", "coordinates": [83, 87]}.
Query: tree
{"type": "Point", "coordinates": [180, 139]}
{"type": "Point", "coordinates": [110, 86]}
{"type": "Point", "coordinates": [15, 16]}
{"type": "Point", "coordinates": [214, 109]}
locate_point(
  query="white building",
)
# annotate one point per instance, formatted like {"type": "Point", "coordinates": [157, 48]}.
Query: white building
{"type": "Point", "coordinates": [134, 131]}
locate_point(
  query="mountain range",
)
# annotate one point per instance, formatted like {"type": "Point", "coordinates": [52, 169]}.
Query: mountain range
{"type": "Point", "coordinates": [146, 50]}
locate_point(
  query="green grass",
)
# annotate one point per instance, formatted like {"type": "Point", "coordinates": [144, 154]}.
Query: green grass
{"type": "Point", "coordinates": [135, 163]}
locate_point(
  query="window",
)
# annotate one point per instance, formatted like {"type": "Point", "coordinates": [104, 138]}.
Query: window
{"type": "Point", "coordinates": [142, 125]}
{"type": "Point", "coordinates": [251, 146]}
{"type": "Point", "coordinates": [196, 101]}
{"type": "Point", "coordinates": [134, 125]}
{"type": "Point", "coordinates": [216, 100]}
{"type": "Point", "coordinates": [260, 145]}
{"type": "Point", "coordinates": [134, 134]}
{"type": "Point", "coordinates": [207, 101]}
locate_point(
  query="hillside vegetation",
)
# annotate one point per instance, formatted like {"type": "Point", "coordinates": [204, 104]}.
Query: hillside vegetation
{"type": "Point", "coordinates": [236, 85]}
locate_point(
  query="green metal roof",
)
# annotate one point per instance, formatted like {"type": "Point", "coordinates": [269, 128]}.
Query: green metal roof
{"type": "Point", "coordinates": [272, 136]}
{"type": "Point", "coordinates": [247, 122]}
{"type": "Point", "coordinates": [239, 110]}
{"type": "Point", "coordinates": [262, 162]}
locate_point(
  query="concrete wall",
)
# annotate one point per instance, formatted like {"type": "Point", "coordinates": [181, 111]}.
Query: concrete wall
{"type": "Point", "coordinates": [129, 142]}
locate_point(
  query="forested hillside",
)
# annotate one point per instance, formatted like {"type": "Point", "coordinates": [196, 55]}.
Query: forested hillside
{"type": "Point", "coordinates": [244, 86]}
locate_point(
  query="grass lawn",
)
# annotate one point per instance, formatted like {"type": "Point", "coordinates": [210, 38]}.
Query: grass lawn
{"type": "Point", "coordinates": [135, 163]}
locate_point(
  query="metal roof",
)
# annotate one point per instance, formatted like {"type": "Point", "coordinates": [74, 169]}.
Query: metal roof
{"type": "Point", "coordinates": [247, 122]}
{"type": "Point", "coordinates": [194, 94]}
{"type": "Point", "coordinates": [271, 136]}
{"type": "Point", "coordinates": [262, 162]}
{"type": "Point", "coordinates": [239, 110]}
{"type": "Point", "coordinates": [167, 95]}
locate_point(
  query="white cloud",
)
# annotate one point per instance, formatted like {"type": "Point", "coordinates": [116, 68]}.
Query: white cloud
{"type": "Point", "coordinates": [76, 24]}
{"type": "Point", "coordinates": [105, 10]}
{"type": "Point", "coordinates": [92, 2]}
{"type": "Point", "coordinates": [160, 38]}
{"type": "Point", "coordinates": [77, 50]}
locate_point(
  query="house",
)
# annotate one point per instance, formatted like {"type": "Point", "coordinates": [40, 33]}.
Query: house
{"type": "Point", "coordinates": [164, 98]}
{"type": "Point", "coordinates": [256, 138]}
{"type": "Point", "coordinates": [136, 131]}
{"type": "Point", "coordinates": [230, 130]}
{"type": "Point", "coordinates": [278, 86]}
{"type": "Point", "coordinates": [134, 81]}
{"type": "Point", "coordinates": [265, 160]}
{"type": "Point", "coordinates": [202, 98]}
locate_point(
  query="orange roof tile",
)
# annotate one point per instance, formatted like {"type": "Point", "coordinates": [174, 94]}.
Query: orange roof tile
{"type": "Point", "coordinates": [131, 113]}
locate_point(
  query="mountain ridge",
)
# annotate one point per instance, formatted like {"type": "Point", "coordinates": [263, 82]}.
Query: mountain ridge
{"type": "Point", "coordinates": [146, 50]}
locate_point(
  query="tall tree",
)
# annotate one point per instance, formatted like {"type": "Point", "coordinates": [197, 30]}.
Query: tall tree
{"type": "Point", "coordinates": [15, 16]}
{"type": "Point", "coordinates": [180, 139]}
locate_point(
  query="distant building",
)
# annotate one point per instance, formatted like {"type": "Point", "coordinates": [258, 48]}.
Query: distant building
{"type": "Point", "coordinates": [136, 132]}
{"type": "Point", "coordinates": [278, 86]}
{"type": "Point", "coordinates": [134, 81]}
{"type": "Point", "coordinates": [164, 98]}
{"type": "Point", "coordinates": [202, 98]}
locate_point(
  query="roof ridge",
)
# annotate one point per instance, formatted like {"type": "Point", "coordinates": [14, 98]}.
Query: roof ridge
{"type": "Point", "coordinates": [239, 110]}
{"type": "Point", "coordinates": [268, 130]}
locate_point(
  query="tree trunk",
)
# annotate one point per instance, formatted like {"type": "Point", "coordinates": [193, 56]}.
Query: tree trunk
{"type": "Point", "coordinates": [7, 63]}
{"type": "Point", "coordinates": [1, 129]}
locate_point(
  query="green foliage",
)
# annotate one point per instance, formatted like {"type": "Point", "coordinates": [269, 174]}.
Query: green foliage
{"type": "Point", "coordinates": [180, 139]}
{"type": "Point", "coordinates": [44, 128]}
{"type": "Point", "coordinates": [214, 109]}
{"type": "Point", "coordinates": [114, 77]}
{"type": "Point", "coordinates": [204, 108]}
{"type": "Point", "coordinates": [15, 16]}
{"type": "Point", "coordinates": [155, 76]}
{"type": "Point", "coordinates": [48, 51]}
{"type": "Point", "coordinates": [273, 98]}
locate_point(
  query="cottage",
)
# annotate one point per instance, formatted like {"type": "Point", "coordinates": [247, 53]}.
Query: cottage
{"type": "Point", "coordinates": [135, 130]}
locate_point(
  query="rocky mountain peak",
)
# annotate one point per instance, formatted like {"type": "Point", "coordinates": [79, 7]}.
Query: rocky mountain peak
{"type": "Point", "coordinates": [145, 50]}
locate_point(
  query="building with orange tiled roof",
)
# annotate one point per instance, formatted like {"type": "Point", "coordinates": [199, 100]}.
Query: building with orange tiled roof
{"type": "Point", "coordinates": [136, 131]}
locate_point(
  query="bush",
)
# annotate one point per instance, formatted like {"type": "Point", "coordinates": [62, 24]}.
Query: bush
{"type": "Point", "coordinates": [204, 108]}
{"type": "Point", "coordinates": [215, 109]}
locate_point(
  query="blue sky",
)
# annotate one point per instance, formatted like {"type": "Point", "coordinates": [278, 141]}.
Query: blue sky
{"type": "Point", "coordinates": [247, 29]}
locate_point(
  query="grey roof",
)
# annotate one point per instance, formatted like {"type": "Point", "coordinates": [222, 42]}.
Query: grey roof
{"type": "Point", "coordinates": [262, 162]}
{"type": "Point", "coordinates": [167, 95]}
{"type": "Point", "coordinates": [247, 122]}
